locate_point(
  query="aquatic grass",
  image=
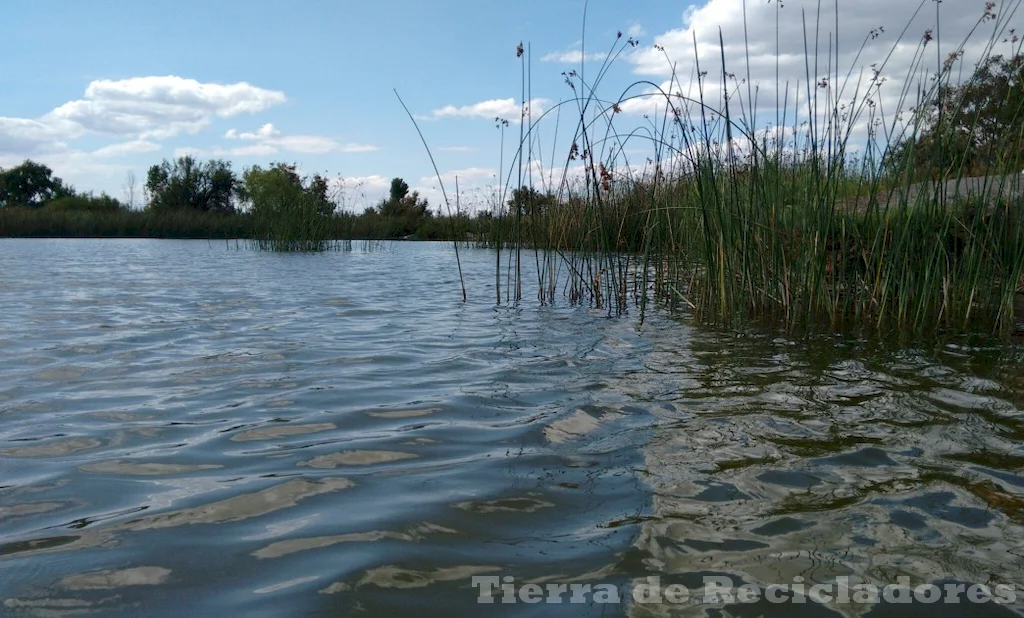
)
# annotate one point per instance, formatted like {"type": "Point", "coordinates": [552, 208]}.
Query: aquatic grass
{"type": "Point", "coordinates": [290, 213]}
{"type": "Point", "coordinates": [295, 224]}
{"type": "Point", "coordinates": [794, 225]}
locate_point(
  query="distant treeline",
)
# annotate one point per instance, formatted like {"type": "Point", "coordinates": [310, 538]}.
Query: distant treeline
{"type": "Point", "coordinates": [187, 198]}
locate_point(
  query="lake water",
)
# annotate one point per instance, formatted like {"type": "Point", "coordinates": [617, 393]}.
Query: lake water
{"type": "Point", "coordinates": [191, 429]}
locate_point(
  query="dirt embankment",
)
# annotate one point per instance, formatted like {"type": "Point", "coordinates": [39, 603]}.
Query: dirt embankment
{"type": "Point", "coordinates": [1008, 187]}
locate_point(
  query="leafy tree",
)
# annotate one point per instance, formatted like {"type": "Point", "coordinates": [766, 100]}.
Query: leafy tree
{"type": "Point", "coordinates": [291, 212]}
{"type": "Point", "coordinates": [87, 203]}
{"type": "Point", "coordinates": [402, 203]}
{"type": "Point", "coordinates": [186, 183]}
{"type": "Point", "coordinates": [279, 188]}
{"type": "Point", "coordinates": [529, 201]}
{"type": "Point", "coordinates": [31, 185]}
{"type": "Point", "coordinates": [404, 212]}
{"type": "Point", "coordinates": [971, 128]}
{"type": "Point", "coordinates": [410, 206]}
{"type": "Point", "coordinates": [399, 189]}
{"type": "Point", "coordinates": [271, 191]}
{"type": "Point", "coordinates": [319, 190]}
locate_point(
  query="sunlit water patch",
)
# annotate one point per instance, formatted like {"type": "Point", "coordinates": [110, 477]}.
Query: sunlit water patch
{"type": "Point", "coordinates": [187, 429]}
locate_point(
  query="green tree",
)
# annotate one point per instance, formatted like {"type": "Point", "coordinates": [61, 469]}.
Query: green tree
{"type": "Point", "coordinates": [976, 127]}
{"type": "Point", "coordinates": [280, 188]}
{"type": "Point", "coordinates": [291, 212]}
{"type": "Point", "coordinates": [404, 211]}
{"type": "Point", "coordinates": [187, 183]}
{"type": "Point", "coordinates": [402, 203]}
{"type": "Point", "coordinates": [31, 185]}
{"type": "Point", "coordinates": [529, 201]}
{"type": "Point", "coordinates": [319, 190]}
{"type": "Point", "coordinates": [87, 202]}
{"type": "Point", "coordinates": [271, 191]}
{"type": "Point", "coordinates": [399, 189]}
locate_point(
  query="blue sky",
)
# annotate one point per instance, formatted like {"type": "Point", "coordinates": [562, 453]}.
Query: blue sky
{"type": "Point", "coordinates": [102, 88]}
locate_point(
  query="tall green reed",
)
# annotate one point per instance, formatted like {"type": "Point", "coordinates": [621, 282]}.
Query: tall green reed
{"type": "Point", "coordinates": [804, 225]}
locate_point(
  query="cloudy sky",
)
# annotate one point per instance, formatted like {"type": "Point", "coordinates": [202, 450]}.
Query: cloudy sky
{"type": "Point", "coordinates": [102, 88]}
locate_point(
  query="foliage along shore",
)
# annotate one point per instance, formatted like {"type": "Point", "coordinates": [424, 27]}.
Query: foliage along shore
{"type": "Point", "coordinates": [190, 199]}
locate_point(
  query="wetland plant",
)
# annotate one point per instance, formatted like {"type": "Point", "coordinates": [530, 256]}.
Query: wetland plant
{"type": "Point", "coordinates": [834, 213]}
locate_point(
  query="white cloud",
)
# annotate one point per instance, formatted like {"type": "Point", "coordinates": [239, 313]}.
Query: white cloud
{"type": "Point", "coordinates": [466, 176]}
{"type": "Point", "coordinates": [506, 109]}
{"type": "Point", "coordinates": [371, 182]}
{"type": "Point", "coordinates": [478, 189]}
{"type": "Point", "coordinates": [573, 57]}
{"type": "Point", "coordinates": [312, 144]}
{"type": "Point", "coordinates": [139, 110]}
{"type": "Point", "coordinates": [357, 192]}
{"type": "Point", "coordinates": [160, 106]}
{"type": "Point", "coordinates": [249, 150]}
{"type": "Point", "coordinates": [270, 141]}
{"type": "Point", "coordinates": [773, 36]}
{"type": "Point", "coordinates": [265, 132]}
{"type": "Point", "coordinates": [22, 137]}
{"type": "Point", "coordinates": [126, 148]}
{"type": "Point", "coordinates": [83, 170]}
{"type": "Point", "coordinates": [553, 178]}
{"type": "Point", "coordinates": [635, 31]}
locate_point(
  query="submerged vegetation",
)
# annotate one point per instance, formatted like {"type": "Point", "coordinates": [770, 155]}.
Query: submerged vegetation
{"type": "Point", "coordinates": [827, 210]}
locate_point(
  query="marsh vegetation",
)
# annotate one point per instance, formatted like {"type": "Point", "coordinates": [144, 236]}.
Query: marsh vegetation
{"type": "Point", "coordinates": [834, 213]}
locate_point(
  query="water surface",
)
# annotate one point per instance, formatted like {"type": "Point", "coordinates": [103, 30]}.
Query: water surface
{"type": "Point", "coordinates": [191, 429]}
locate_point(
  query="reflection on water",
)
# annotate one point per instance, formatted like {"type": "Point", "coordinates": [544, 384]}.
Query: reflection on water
{"type": "Point", "coordinates": [776, 463]}
{"type": "Point", "coordinates": [144, 469]}
{"type": "Point", "coordinates": [98, 580]}
{"type": "Point", "coordinates": [355, 458]}
{"type": "Point", "coordinates": [187, 429]}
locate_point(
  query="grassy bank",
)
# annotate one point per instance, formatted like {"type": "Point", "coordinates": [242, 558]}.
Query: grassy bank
{"type": "Point", "coordinates": [267, 233]}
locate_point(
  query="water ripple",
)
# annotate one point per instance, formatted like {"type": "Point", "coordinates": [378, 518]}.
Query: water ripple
{"type": "Point", "coordinates": [186, 428]}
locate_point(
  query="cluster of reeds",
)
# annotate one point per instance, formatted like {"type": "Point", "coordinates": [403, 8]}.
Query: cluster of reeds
{"type": "Point", "coordinates": [334, 231]}
{"type": "Point", "coordinates": [813, 224]}
{"type": "Point", "coordinates": [299, 226]}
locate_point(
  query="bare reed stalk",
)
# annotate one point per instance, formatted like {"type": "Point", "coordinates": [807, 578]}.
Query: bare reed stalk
{"type": "Point", "coordinates": [444, 194]}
